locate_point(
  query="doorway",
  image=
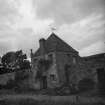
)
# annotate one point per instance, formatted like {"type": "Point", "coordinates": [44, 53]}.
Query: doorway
{"type": "Point", "coordinates": [101, 80]}
{"type": "Point", "coordinates": [67, 73]}
{"type": "Point", "coordinates": [44, 82]}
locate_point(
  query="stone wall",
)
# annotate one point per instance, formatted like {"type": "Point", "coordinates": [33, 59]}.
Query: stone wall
{"type": "Point", "coordinates": [64, 58]}
{"type": "Point", "coordinates": [4, 78]}
{"type": "Point", "coordinates": [52, 71]}
{"type": "Point", "coordinates": [80, 68]}
{"type": "Point", "coordinates": [52, 76]}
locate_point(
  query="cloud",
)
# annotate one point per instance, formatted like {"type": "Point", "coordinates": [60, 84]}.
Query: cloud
{"type": "Point", "coordinates": [7, 44]}
{"type": "Point", "coordinates": [68, 10]}
{"type": "Point", "coordinates": [85, 32]}
{"type": "Point", "coordinates": [8, 12]}
{"type": "Point", "coordinates": [23, 22]}
{"type": "Point", "coordinates": [94, 48]}
{"type": "Point", "coordinates": [20, 26]}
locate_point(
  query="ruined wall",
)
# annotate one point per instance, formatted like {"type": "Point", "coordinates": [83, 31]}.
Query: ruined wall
{"type": "Point", "coordinates": [88, 69]}
{"type": "Point", "coordinates": [52, 76]}
{"type": "Point", "coordinates": [4, 78]}
{"type": "Point", "coordinates": [79, 68]}
{"type": "Point", "coordinates": [64, 58]}
{"type": "Point", "coordinates": [33, 83]}
{"type": "Point", "coordinates": [50, 73]}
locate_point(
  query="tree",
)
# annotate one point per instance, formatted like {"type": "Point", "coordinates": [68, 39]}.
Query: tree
{"type": "Point", "coordinates": [8, 58]}
{"type": "Point", "coordinates": [15, 61]}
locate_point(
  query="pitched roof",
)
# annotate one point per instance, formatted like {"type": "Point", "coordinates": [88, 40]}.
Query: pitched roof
{"type": "Point", "coordinates": [54, 43]}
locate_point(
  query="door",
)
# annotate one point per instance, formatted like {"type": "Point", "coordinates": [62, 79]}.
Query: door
{"type": "Point", "coordinates": [67, 73]}
{"type": "Point", "coordinates": [44, 82]}
{"type": "Point", "coordinates": [101, 80]}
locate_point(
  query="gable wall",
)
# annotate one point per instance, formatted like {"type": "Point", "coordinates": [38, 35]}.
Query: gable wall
{"type": "Point", "coordinates": [51, 71]}
{"type": "Point", "coordinates": [64, 58]}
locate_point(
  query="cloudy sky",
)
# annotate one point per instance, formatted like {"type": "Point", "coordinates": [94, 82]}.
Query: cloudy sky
{"type": "Point", "coordinates": [81, 23]}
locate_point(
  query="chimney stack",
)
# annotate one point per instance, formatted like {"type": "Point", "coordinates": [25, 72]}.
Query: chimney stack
{"type": "Point", "coordinates": [42, 46]}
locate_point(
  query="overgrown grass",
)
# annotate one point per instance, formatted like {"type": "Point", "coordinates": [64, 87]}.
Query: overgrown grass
{"type": "Point", "coordinates": [36, 102]}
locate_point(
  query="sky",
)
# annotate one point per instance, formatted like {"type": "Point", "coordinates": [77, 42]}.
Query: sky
{"type": "Point", "coordinates": [80, 23]}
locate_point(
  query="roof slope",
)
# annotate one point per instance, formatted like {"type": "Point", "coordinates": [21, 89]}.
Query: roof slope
{"type": "Point", "coordinates": [54, 43]}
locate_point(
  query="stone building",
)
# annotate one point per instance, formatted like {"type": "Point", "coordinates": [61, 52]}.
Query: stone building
{"type": "Point", "coordinates": [56, 63]}
{"type": "Point", "coordinates": [95, 66]}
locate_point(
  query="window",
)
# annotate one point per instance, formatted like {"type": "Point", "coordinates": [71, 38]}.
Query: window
{"type": "Point", "coordinates": [74, 60]}
{"type": "Point", "coordinates": [68, 55]}
{"type": "Point", "coordinates": [50, 56]}
{"type": "Point", "coordinates": [52, 77]}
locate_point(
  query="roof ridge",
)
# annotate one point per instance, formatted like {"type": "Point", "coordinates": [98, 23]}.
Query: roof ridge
{"type": "Point", "coordinates": [53, 34]}
{"type": "Point", "coordinates": [53, 42]}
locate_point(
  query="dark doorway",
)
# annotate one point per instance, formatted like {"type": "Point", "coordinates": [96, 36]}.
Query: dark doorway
{"type": "Point", "coordinates": [67, 73]}
{"type": "Point", "coordinates": [44, 82]}
{"type": "Point", "coordinates": [101, 80]}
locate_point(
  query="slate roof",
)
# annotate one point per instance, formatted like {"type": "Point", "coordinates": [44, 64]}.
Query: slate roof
{"type": "Point", "coordinates": [54, 43]}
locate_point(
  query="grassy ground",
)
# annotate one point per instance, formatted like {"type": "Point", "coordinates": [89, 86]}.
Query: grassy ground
{"type": "Point", "coordinates": [47, 100]}
{"type": "Point", "coordinates": [36, 102]}
{"type": "Point", "coordinates": [12, 98]}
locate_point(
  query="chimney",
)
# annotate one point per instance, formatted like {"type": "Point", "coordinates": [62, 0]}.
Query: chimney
{"type": "Point", "coordinates": [42, 46]}
{"type": "Point", "coordinates": [31, 55]}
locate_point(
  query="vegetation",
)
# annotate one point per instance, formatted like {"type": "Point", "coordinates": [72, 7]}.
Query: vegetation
{"type": "Point", "coordinates": [43, 65]}
{"type": "Point", "coordinates": [15, 62]}
{"type": "Point", "coordinates": [43, 102]}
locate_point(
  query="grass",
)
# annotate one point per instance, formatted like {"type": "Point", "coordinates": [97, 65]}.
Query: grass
{"type": "Point", "coordinates": [26, 100]}
{"type": "Point", "coordinates": [44, 102]}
